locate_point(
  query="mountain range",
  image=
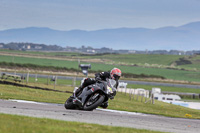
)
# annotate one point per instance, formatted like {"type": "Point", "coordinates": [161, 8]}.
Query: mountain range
{"type": "Point", "coordinates": [185, 37]}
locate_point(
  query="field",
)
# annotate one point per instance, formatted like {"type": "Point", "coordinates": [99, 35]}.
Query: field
{"type": "Point", "coordinates": [192, 76]}
{"type": "Point", "coordinates": [117, 58]}
{"type": "Point", "coordinates": [140, 59]}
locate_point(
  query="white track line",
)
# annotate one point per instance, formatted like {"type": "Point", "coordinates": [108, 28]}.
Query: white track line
{"type": "Point", "coordinates": [107, 110]}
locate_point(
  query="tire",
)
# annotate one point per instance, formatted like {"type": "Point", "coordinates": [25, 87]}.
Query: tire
{"type": "Point", "coordinates": [94, 105]}
{"type": "Point", "coordinates": [69, 104]}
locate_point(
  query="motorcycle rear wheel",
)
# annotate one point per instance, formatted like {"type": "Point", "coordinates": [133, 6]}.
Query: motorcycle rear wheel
{"type": "Point", "coordinates": [89, 106]}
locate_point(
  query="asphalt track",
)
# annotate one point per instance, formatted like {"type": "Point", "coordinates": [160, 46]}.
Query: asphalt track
{"type": "Point", "coordinates": [101, 116]}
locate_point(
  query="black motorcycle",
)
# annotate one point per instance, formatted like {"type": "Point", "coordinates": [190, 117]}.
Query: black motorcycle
{"type": "Point", "coordinates": [92, 96]}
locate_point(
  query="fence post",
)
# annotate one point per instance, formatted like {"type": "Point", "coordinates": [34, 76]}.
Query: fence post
{"type": "Point", "coordinates": [55, 82]}
{"type": "Point", "coordinates": [193, 96]}
{"type": "Point", "coordinates": [130, 93]}
{"type": "Point", "coordinates": [35, 77]}
{"type": "Point", "coordinates": [35, 80]}
{"type": "Point", "coordinates": [74, 81]}
{"type": "Point", "coordinates": [152, 98]}
{"type": "Point", "coordinates": [133, 94]}
{"type": "Point", "coordinates": [23, 78]}
{"type": "Point", "coordinates": [142, 96]}
{"type": "Point", "coordinates": [125, 90]}
{"type": "Point", "coordinates": [48, 80]}
{"type": "Point", "coordinates": [137, 95]}
{"type": "Point", "coordinates": [146, 96]}
{"type": "Point", "coordinates": [27, 77]}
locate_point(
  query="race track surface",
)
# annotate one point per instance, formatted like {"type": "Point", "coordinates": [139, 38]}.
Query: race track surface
{"type": "Point", "coordinates": [101, 116]}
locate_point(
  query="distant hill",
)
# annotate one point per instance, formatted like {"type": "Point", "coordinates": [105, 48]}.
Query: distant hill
{"type": "Point", "coordinates": [185, 37]}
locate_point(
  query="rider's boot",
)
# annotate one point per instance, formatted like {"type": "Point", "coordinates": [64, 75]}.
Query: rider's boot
{"type": "Point", "coordinates": [104, 105]}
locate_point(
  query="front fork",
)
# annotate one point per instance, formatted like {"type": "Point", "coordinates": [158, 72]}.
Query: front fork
{"type": "Point", "coordinates": [74, 91]}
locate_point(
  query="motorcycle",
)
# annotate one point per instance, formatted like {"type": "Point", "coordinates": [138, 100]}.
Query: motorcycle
{"type": "Point", "coordinates": [92, 96]}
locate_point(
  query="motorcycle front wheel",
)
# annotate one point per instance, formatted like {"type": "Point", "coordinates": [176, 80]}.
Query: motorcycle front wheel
{"type": "Point", "coordinates": [93, 102]}
{"type": "Point", "coordinates": [69, 104]}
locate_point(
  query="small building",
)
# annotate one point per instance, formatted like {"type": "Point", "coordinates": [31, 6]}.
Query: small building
{"type": "Point", "coordinates": [38, 47]}
{"type": "Point", "coordinates": [166, 97]}
{"type": "Point", "coordinates": [28, 47]}
{"type": "Point", "coordinates": [91, 51]}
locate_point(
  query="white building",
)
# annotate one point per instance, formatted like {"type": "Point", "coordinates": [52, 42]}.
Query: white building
{"type": "Point", "coordinates": [164, 97]}
{"type": "Point", "coordinates": [38, 47]}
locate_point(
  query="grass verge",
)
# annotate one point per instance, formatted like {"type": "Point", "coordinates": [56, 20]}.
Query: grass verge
{"type": "Point", "coordinates": [121, 102]}
{"type": "Point", "coordinates": [22, 124]}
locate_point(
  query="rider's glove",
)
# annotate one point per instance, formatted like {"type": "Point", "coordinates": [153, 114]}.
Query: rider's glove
{"type": "Point", "coordinates": [97, 78]}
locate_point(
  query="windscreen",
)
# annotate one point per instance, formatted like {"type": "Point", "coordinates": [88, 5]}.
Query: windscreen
{"type": "Point", "coordinates": [112, 83]}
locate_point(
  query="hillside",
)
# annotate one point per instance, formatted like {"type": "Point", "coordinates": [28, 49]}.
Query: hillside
{"type": "Point", "coordinates": [185, 37]}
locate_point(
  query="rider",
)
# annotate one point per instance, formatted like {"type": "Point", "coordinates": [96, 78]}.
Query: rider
{"type": "Point", "coordinates": [115, 74]}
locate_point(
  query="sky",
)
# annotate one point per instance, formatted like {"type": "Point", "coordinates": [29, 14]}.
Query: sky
{"type": "Point", "coordinates": [97, 14]}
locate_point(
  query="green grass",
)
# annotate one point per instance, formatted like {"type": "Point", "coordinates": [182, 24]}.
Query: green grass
{"type": "Point", "coordinates": [48, 81]}
{"type": "Point", "coordinates": [117, 58]}
{"type": "Point", "coordinates": [194, 66]}
{"type": "Point", "coordinates": [121, 101]}
{"type": "Point", "coordinates": [167, 73]}
{"type": "Point", "coordinates": [40, 53]}
{"type": "Point", "coordinates": [23, 93]}
{"type": "Point", "coordinates": [195, 59]}
{"type": "Point", "coordinates": [62, 84]}
{"type": "Point", "coordinates": [165, 88]}
{"type": "Point", "coordinates": [23, 124]}
{"type": "Point", "coordinates": [42, 62]}
{"type": "Point", "coordinates": [141, 58]}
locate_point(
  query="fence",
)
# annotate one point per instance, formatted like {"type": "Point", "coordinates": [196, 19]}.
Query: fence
{"type": "Point", "coordinates": [57, 81]}
{"type": "Point", "coordinates": [138, 94]}
{"type": "Point", "coordinates": [41, 80]}
{"type": "Point", "coordinates": [148, 96]}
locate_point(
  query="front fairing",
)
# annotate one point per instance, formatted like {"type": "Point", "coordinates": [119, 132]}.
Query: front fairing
{"type": "Point", "coordinates": [111, 87]}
